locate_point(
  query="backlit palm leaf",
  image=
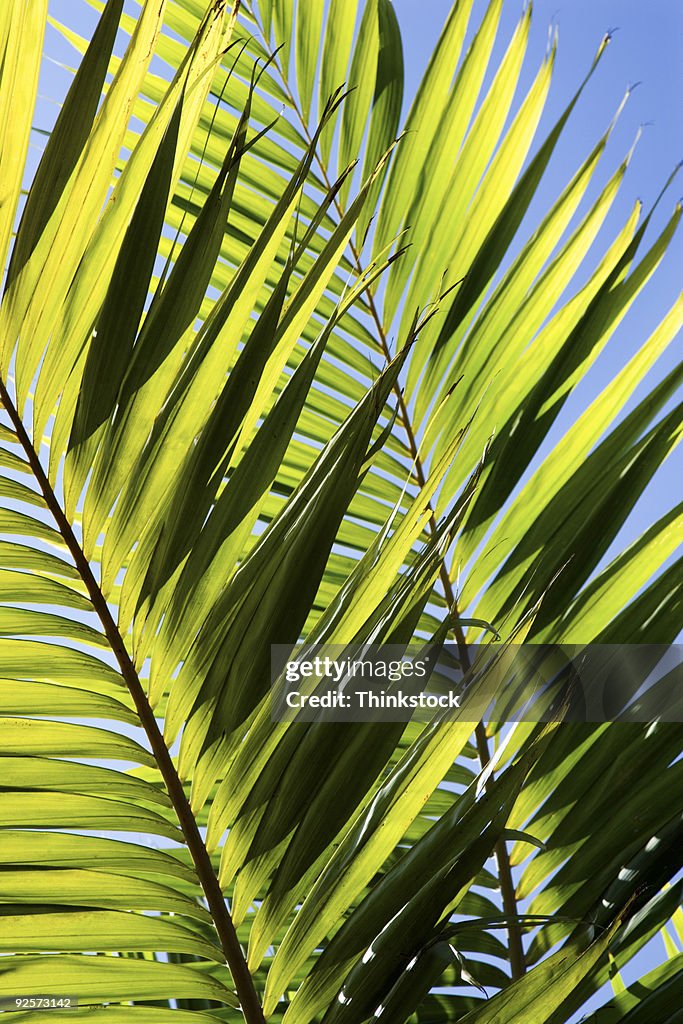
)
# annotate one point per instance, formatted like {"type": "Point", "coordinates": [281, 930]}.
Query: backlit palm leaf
{"type": "Point", "coordinates": [211, 443]}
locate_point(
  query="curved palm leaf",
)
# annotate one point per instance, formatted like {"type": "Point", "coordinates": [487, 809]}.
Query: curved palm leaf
{"type": "Point", "coordinates": [196, 322]}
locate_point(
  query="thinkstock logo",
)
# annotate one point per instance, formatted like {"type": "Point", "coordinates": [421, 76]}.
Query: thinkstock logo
{"type": "Point", "coordinates": [502, 682]}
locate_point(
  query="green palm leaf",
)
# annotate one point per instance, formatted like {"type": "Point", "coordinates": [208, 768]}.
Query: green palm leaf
{"type": "Point", "coordinates": [211, 443]}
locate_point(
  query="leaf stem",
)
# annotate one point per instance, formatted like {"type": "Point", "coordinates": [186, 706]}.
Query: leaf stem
{"type": "Point", "coordinates": [244, 984]}
{"type": "Point", "coordinates": [507, 885]}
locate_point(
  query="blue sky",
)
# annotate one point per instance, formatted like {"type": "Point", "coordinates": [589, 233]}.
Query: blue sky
{"type": "Point", "coordinates": [646, 48]}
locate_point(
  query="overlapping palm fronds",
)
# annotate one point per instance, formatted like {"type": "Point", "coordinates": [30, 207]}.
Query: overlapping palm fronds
{"type": "Point", "coordinates": [276, 365]}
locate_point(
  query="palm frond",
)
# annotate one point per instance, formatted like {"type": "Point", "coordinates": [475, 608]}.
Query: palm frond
{"type": "Point", "coordinates": [276, 368]}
